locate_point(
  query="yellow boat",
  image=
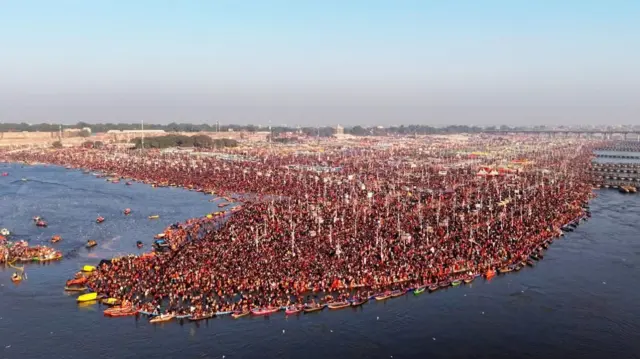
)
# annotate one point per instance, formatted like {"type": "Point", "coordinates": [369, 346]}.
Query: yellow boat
{"type": "Point", "coordinates": [111, 301]}
{"type": "Point", "coordinates": [88, 297]}
{"type": "Point", "coordinates": [88, 268]}
{"type": "Point", "coordinates": [155, 216]}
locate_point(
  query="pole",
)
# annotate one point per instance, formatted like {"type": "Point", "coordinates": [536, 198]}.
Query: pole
{"type": "Point", "coordinates": [142, 130]}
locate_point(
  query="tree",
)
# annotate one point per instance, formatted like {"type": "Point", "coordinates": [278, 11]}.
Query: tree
{"type": "Point", "coordinates": [57, 144]}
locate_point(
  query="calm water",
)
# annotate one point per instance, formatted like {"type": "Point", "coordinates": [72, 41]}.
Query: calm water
{"type": "Point", "coordinates": [582, 300]}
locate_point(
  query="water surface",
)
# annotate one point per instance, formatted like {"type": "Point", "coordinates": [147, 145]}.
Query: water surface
{"type": "Point", "coordinates": [582, 300]}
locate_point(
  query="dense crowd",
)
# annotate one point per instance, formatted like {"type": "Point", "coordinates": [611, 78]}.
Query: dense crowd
{"type": "Point", "coordinates": [346, 222]}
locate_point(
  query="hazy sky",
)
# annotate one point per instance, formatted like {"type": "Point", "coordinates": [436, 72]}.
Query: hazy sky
{"type": "Point", "coordinates": [305, 62]}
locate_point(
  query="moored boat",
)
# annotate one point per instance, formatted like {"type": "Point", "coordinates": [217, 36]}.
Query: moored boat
{"type": "Point", "coordinates": [88, 297]}
{"type": "Point", "coordinates": [162, 318]}
{"type": "Point", "coordinates": [357, 303]}
{"type": "Point", "coordinates": [444, 284]}
{"type": "Point", "coordinates": [505, 270]}
{"type": "Point", "coordinates": [456, 283]}
{"type": "Point", "coordinates": [383, 296]}
{"type": "Point", "coordinates": [293, 309]}
{"type": "Point", "coordinates": [239, 314]}
{"type": "Point", "coordinates": [263, 311]}
{"type": "Point", "coordinates": [111, 301]}
{"type": "Point", "coordinates": [433, 288]}
{"type": "Point", "coordinates": [419, 290]}
{"type": "Point", "coordinates": [469, 279]}
{"type": "Point", "coordinates": [75, 288]}
{"type": "Point", "coordinates": [313, 308]}
{"type": "Point", "coordinates": [397, 293]}
{"type": "Point", "coordinates": [338, 305]}
{"type": "Point", "coordinates": [203, 316]}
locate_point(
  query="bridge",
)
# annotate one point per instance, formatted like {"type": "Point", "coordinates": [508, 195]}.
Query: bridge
{"type": "Point", "coordinates": [606, 134]}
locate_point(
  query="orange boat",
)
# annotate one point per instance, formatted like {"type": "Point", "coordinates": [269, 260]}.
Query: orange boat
{"type": "Point", "coordinates": [56, 239]}
{"type": "Point", "coordinates": [77, 281]}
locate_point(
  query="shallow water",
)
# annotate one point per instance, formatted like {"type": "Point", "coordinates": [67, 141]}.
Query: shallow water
{"type": "Point", "coordinates": [580, 301]}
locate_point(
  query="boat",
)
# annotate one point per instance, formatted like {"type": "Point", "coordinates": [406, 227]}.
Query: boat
{"type": "Point", "coordinates": [397, 293]}
{"type": "Point", "coordinates": [121, 313]}
{"type": "Point", "coordinates": [155, 216]}
{"type": "Point", "coordinates": [16, 278]}
{"type": "Point", "coordinates": [239, 314]}
{"type": "Point", "coordinates": [88, 268]}
{"type": "Point", "coordinates": [357, 303]}
{"type": "Point", "coordinates": [127, 211]}
{"type": "Point", "coordinates": [111, 301]}
{"type": "Point", "coordinates": [469, 279]}
{"type": "Point", "coordinates": [41, 223]}
{"type": "Point", "coordinates": [504, 270]}
{"type": "Point", "coordinates": [77, 281]}
{"type": "Point", "coordinates": [264, 311]}
{"type": "Point", "coordinates": [91, 243]}
{"type": "Point", "coordinates": [159, 236]}
{"type": "Point", "coordinates": [197, 317]}
{"type": "Point", "coordinates": [139, 244]}
{"type": "Point", "coordinates": [456, 283]}
{"type": "Point", "coordinates": [75, 288]}
{"type": "Point", "coordinates": [517, 267]}
{"type": "Point", "coordinates": [99, 219]}
{"type": "Point", "coordinates": [419, 290]}
{"type": "Point", "coordinates": [56, 239]}
{"type": "Point", "coordinates": [221, 313]}
{"type": "Point", "coordinates": [383, 296]}
{"type": "Point", "coordinates": [534, 256]}
{"type": "Point", "coordinates": [162, 318]}
{"type": "Point", "coordinates": [5, 232]}
{"type": "Point", "coordinates": [338, 305]}
{"type": "Point", "coordinates": [184, 316]}
{"type": "Point", "coordinates": [444, 284]}
{"type": "Point", "coordinates": [313, 308]}
{"type": "Point", "coordinates": [128, 183]}
{"type": "Point", "coordinates": [293, 309]}
{"type": "Point", "coordinates": [432, 288]}
{"type": "Point", "coordinates": [88, 297]}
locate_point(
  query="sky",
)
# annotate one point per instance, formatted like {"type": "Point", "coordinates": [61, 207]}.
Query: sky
{"type": "Point", "coordinates": [308, 63]}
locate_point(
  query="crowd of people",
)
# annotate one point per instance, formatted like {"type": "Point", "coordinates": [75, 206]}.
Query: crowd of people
{"type": "Point", "coordinates": [341, 222]}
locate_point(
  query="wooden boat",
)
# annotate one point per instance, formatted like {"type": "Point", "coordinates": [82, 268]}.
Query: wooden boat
{"type": "Point", "coordinates": [197, 317]}
{"type": "Point", "coordinates": [311, 309]}
{"type": "Point", "coordinates": [383, 296]}
{"type": "Point", "coordinates": [397, 293]}
{"type": "Point", "coordinates": [111, 301]}
{"type": "Point", "coordinates": [456, 283]}
{"type": "Point", "coordinates": [41, 223]}
{"type": "Point", "coordinates": [504, 270]}
{"type": "Point", "coordinates": [433, 288]}
{"type": "Point", "coordinates": [240, 314]}
{"type": "Point", "coordinates": [183, 316]}
{"type": "Point", "coordinates": [155, 216]}
{"type": "Point", "coordinates": [293, 309]}
{"type": "Point", "coordinates": [77, 281]}
{"type": "Point", "coordinates": [88, 297]}
{"type": "Point", "coordinates": [128, 183]}
{"type": "Point", "coordinates": [75, 289]}
{"type": "Point", "coordinates": [162, 318]}
{"type": "Point", "coordinates": [91, 243]}
{"type": "Point", "coordinates": [534, 256]}
{"type": "Point", "coordinates": [419, 290]}
{"type": "Point", "coordinates": [444, 284]}
{"type": "Point", "coordinates": [517, 267]}
{"type": "Point", "coordinates": [469, 279]}
{"type": "Point", "coordinates": [358, 303]}
{"type": "Point", "coordinates": [338, 305]}
{"type": "Point", "coordinates": [122, 313]}
{"type": "Point", "coordinates": [221, 313]}
{"type": "Point", "coordinates": [263, 311]}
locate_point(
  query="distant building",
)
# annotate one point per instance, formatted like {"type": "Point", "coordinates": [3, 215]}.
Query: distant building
{"type": "Point", "coordinates": [339, 130]}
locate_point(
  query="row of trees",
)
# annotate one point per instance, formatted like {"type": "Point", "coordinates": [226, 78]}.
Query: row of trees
{"type": "Point", "coordinates": [276, 130]}
{"type": "Point", "coordinates": [200, 141]}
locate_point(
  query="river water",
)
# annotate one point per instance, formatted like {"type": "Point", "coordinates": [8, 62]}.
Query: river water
{"type": "Point", "coordinates": [582, 300]}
